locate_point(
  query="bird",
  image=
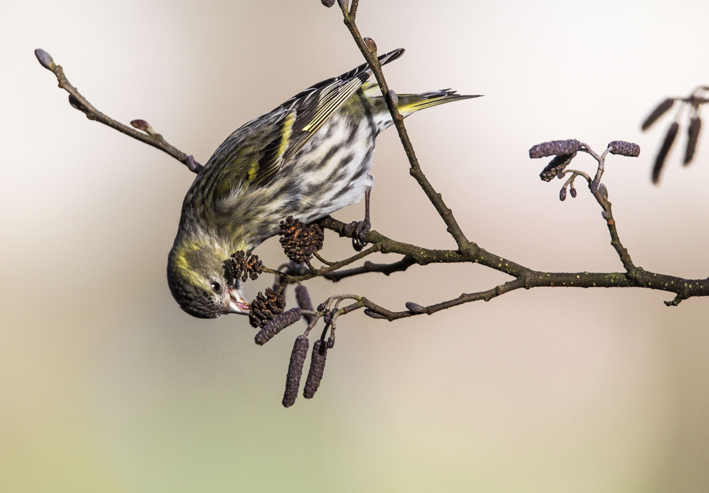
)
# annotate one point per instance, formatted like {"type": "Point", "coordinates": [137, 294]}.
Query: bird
{"type": "Point", "coordinates": [307, 158]}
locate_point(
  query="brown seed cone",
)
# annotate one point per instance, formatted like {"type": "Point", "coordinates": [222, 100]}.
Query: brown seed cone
{"type": "Point", "coordinates": [295, 370]}
{"type": "Point", "coordinates": [317, 367]}
{"type": "Point", "coordinates": [242, 266]}
{"type": "Point", "coordinates": [265, 307]}
{"type": "Point", "coordinates": [300, 241]}
{"type": "Point", "coordinates": [664, 150]}
{"type": "Point", "coordinates": [695, 126]}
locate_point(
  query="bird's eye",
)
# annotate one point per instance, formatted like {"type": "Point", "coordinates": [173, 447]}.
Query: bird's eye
{"type": "Point", "coordinates": [216, 287]}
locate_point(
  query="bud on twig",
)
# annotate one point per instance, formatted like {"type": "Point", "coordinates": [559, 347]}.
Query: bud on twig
{"type": "Point", "coordinates": [572, 191]}
{"type": "Point", "coordinates": [661, 109]}
{"type": "Point", "coordinates": [695, 126]}
{"type": "Point", "coordinates": [140, 125]}
{"type": "Point", "coordinates": [328, 3]}
{"type": "Point", "coordinates": [393, 98]}
{"type": "Point", "coordinates": [664, 150]}
{"type": "Point", "coordinates": [276, 325]}
{"type": "Point", "coordinates": [371, 46]}
{"type": "Point", "coordinates": [317, 367]}
{"type": "Point", "coordinates": [554, 147]}
{"type": "Point", "coordinates": [344, 4]}
{"type": "Point", "coordinates": [373, 314]}
{"type": "Point", "coordinates": [44, 59]}
{"type": "Point", "coordinates": [295, 370]}
{"type": "Point", "coordinates": [624, 148]}
{"type": "Point", "coordinates": [415, 307]}
{"type": "Point", "coordinates": [76, 104]}
{"type": "Point", "coordinates": [603, 192]}
{"type": "Point", "coordinates": [562, 194]}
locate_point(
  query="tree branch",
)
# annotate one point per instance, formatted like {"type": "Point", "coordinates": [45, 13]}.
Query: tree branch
{"type": "Point", "coordinates": [79, 102]}
{"type": "Point", "coordinates": [415, 169]}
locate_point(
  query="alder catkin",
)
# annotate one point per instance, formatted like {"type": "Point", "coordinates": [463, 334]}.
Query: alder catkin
{"type": "Point", "coordinates": [295, 370]}
{"type": "Point", "coordinates": [276, 325]}
{"type": "Point", "coordinates": [695, 126]}
{"type": "Point", "coordinates": [317, 367]}
{"type": "Point", "coordinates": [554, 147]}
{"type": "Point", "coordinates": [624, 148]}
{"type": "Point", "coordinates": [664, 150]}
{"type": "Point", "coordinates": [660, 110]}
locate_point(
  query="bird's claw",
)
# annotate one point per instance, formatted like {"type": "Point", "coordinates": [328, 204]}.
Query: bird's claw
{"type": "Point", "coordinates": [358, 230]}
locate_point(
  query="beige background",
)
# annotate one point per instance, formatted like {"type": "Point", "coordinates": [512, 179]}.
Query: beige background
{"type": "Point", "coordinates": [105, 385]}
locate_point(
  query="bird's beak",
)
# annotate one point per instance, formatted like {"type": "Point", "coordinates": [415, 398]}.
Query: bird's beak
{"type": "Point", "coordinates": [235, 303]}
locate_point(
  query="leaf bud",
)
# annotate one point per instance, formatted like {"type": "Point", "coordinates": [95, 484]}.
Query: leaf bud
{"type": "Point", "coordinates": [415, 307]}
{"type": "Point", "coordinates": [140, 125]}
{"type": "Point", "coordinates": [373, 314]}
{"type": "Point", "coordinates": [603, 191]}
{"type": "Point", "coordinates": [45, 59]}
{"type": "Point", "coordinates": [371, 46]}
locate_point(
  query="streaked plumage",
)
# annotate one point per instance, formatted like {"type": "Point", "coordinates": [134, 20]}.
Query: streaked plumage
{"type": "Point", "coordinates": [307, 158]}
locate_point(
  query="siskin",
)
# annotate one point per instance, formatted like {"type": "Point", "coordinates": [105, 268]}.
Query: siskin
{"type": "Point", "coordinates": [307, 158]}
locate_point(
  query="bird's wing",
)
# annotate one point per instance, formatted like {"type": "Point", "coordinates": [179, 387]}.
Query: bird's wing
{"type": "Point", "coordinates": [253, 155]}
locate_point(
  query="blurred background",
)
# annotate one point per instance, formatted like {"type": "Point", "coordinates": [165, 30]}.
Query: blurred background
{"type": "Point", "coordinates": [106, 385]}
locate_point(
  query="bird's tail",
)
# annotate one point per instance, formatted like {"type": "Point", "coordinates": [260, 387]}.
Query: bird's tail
{"type": "Point", "coordinates": [410, 103]}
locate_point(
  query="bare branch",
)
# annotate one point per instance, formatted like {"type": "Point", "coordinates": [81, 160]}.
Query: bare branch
{"type": "Point", "coordinates": [147, 135]}
{"type": "Point", "coordinates": [415, 169]}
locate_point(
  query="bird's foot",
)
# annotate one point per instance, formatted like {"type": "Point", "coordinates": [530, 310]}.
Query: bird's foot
{"type": "Point", "coordinates": [358, 230]}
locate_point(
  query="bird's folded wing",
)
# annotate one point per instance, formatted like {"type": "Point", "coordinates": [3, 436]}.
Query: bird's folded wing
{"type": "Point", "coordinates": [261, 147]}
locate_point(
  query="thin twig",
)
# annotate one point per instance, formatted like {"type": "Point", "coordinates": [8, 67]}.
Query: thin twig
{"type": "Point", "coordinates": [415, 170]}
{"type": "Point", "coordinates": [79, 102]}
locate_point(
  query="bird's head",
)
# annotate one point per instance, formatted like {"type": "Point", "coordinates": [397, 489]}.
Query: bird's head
{"type": "Point", "coordinates": [197, 280]}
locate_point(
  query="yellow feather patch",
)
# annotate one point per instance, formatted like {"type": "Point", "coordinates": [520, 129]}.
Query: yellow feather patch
{"type": "Point", "coordinates": [286, 132]}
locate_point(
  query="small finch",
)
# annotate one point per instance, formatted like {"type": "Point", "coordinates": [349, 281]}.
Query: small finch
{"type": "Point", "coordinates": [307, 158]}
